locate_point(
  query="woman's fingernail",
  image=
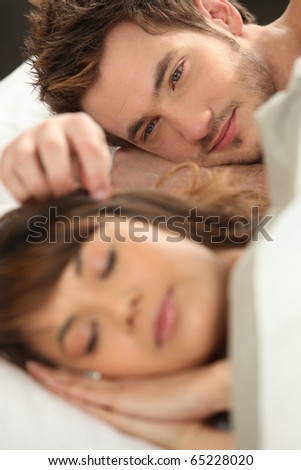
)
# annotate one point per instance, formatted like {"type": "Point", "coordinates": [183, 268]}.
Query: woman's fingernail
{"type": "Point", "coordinates": [50, 378]}
{"type": "Point", "coordinates": [38, 372]}
{"type": "Point", "coordinates": [33, 367]}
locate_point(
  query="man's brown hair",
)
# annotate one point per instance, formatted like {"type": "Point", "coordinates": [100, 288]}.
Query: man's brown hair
{"type": "Point", "coordinates": [67, 39]}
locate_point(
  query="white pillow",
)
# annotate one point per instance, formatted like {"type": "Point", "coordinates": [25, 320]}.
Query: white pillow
{"type": "Point", "coordinates": [31, 417]}
{"type": "Point", "coordinates": [20, 109]}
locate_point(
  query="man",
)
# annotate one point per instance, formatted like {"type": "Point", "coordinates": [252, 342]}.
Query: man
{"type": "Point", "coordinates": [178, 79]}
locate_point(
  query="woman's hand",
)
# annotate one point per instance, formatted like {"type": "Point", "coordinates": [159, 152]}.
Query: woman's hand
{"type": "Point", "coordinates": [165, 410]}
{"type": "Point", "coordinates": [177, 435]}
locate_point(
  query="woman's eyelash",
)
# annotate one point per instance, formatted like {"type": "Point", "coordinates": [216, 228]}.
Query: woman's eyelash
{"type": "Point", "coordinates": [93, 340]}
{"type": "Point", "coordinates": [110, 265]}
{"type": "Point", "coordinates": [92, 343]}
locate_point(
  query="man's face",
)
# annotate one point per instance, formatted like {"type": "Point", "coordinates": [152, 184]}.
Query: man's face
{"type": "Point", "coordinates": [182, 95]}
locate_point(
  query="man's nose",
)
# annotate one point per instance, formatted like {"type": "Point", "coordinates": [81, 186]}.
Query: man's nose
{"type": "Point", "coordinates": [191, 123]}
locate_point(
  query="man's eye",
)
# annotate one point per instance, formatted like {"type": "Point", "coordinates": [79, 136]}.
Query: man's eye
{"type": "Point", "coordinates": [176, 76]}
{"type": "Point", "coordinates": [149, 129]}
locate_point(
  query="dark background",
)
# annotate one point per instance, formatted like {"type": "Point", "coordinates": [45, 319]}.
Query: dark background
{"type": "Point", "coordinates": [13, 25]}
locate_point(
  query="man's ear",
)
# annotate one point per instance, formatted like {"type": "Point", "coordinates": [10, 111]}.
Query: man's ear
{"type": "Point", "coordinates": [222, 13]}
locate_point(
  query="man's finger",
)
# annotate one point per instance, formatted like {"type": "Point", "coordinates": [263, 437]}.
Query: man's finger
{"type": "Point", "coordinates": [55, 157]}
{"type": "Point", "coordinates": [22, 173]}
{"type": "Point", "coordinates": [87, 140]}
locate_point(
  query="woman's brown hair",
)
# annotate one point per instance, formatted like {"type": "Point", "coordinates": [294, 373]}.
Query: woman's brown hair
{"type": "Point", "coordinates": [39, 239]}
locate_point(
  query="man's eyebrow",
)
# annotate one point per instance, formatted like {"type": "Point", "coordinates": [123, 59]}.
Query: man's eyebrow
{"type": "Point", "coordinates": [68, 324]}
{"type": "Point", "coordinates": [160, 72]}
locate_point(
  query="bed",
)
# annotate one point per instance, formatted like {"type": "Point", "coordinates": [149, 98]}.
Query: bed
{"type": "Point", "coordinates": [265, 307]}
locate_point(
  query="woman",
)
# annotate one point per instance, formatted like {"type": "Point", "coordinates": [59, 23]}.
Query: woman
{"type": "Point", "coordinates": [121, 289]}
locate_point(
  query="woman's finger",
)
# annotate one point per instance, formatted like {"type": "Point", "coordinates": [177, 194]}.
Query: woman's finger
{"type": "Point", "coordinates": [197, 393]}
{"type": "Point", "coordinates": [168, 435]}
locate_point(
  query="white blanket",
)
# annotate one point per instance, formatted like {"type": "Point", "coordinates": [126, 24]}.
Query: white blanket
{"type": "Point", "coordinates": [265, 294]}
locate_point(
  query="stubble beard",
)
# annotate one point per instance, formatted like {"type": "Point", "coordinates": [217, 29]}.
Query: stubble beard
{"type": "Point", "coordinates": [257, 85]}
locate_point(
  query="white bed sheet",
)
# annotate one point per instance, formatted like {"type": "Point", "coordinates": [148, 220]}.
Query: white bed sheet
{"type": "Point", "coordinates": [265, 293]}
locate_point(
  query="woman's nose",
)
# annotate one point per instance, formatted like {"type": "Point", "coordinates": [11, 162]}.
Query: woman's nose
{"type": "Point", "coordinates": [125, 307]}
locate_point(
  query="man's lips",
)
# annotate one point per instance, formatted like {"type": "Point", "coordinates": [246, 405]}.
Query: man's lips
{"type": "Point", "coordinates": [165, 319]}
{"type": "Point", "coordinates": [226, 134]}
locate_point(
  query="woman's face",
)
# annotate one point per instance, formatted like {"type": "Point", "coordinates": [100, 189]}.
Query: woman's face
{"type": "Point", "coordinates": [126, 307]}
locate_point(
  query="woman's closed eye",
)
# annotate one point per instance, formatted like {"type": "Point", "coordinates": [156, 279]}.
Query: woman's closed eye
{"type": "Point", "coordinates": [92, 343]}
{"type": "Point", "coordinates": [79, 336]}
{"type": "Point", "coordinates": [106, 265]}
{"type": "Point", "coordinates": [111, 262]}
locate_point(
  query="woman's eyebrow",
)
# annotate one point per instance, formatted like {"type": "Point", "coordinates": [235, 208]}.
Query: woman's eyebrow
{"type": "Point", "coordinates": [64, 330]}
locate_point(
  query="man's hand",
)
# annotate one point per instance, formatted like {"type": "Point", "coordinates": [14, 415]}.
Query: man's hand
{"type": "Point", "coordinates": [165, 410]}
{"type": "Point", "coordinates": [69, 151]}
{"type": "Point", "coordinates": [57, 157]}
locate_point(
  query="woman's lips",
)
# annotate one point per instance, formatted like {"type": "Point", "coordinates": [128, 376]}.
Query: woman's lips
{"type": "Point", "coordinates": [165, 319]}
